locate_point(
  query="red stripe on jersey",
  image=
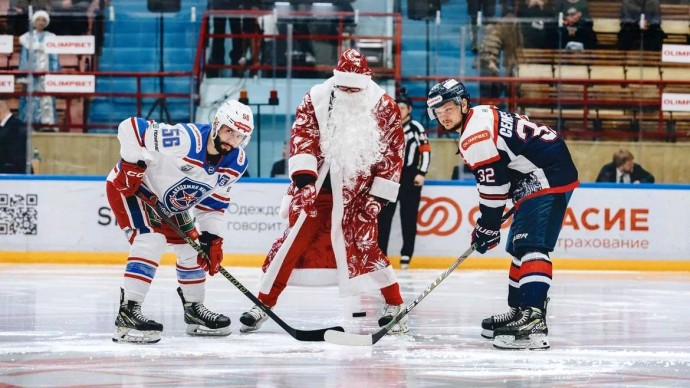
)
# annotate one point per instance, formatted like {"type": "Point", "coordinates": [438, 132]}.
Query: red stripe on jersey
{"type": "Point", "coordinates": [143, 279]}
{"type": "Point", "coordinates": [514, 273]}
{"type": "Point", "coordinates": [191, 281]}
{"type": "Point", "coordinates": [220, 197]}
{"type": "Point", "coordinates": [229, 171]}
{"type": "Point", "coordinates": [484, 162]}
{"type": "Point", "coordinates": [145, 261]}
{"type": "Point", "coordinates": [135, 128]}
{"type": "Point", "coordinates": [552, 190]}
{"type": "Point", "coordinates": [493, 196]}
{"type": "Point", "coordinates": [194, 162]}
{"type": "Point", "coordinates": [536, 267]}
{"type": "Point", "coordinates": [208, 209]}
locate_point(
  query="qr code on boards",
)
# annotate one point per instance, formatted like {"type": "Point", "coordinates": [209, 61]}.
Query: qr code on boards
{"type": "Point", "coordinates": [18, 213]}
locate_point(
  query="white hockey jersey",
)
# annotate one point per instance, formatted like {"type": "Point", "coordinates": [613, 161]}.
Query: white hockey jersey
{"type": "Point", "coordinates": [177, 170]}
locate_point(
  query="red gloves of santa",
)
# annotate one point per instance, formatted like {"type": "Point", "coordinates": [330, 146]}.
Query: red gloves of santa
{"type": "Point", "coordinates": [304, 197]}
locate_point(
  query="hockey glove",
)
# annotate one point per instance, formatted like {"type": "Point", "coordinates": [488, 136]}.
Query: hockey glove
{"type": "Point", "coordinates": [213, 246]}
{"type": "Point", "coordinates": [128, 179]}
{"type": "Point", "coordinates": [485, 238]}
{"type": "Point", "coordinates": [303, 199]}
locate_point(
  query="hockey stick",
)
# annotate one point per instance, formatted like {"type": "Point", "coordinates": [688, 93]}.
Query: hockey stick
{"type": "Point", "coordinates": [300, 335]}
{"type": "Point", "coordinates": [351, 339]}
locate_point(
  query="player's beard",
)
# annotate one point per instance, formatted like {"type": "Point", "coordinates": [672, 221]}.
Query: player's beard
{"type": "Point", "coordinates": [219, 146]}
{"type": "Point", "coordinates": [351, 141]}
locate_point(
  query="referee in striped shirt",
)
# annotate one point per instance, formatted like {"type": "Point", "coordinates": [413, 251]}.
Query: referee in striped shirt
{"type": "Point", "coordinates": [415, 167]}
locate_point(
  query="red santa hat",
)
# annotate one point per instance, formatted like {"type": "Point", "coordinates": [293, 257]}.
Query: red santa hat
{"type": "Point", "coordinates": [352, 71]}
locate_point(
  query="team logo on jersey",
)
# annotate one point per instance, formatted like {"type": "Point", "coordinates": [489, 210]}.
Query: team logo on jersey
{"type": "Point", "coordinates": [186, 168]}
{"type": "Point", "coordinates": [185, 194]}
{"type": "Point", "coordinates": [211, 169]}
{"type": "Point", "coordinates": [476, 138]}
{"type": "Point", "coordinates": [223, 180]}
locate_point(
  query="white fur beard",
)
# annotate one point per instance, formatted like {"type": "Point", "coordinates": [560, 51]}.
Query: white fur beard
{"type": "Point", "coordinates": [351, 142]}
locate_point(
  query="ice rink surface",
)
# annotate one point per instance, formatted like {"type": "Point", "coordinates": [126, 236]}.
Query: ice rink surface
{"type": "Point", "coordinates": [608, 329]}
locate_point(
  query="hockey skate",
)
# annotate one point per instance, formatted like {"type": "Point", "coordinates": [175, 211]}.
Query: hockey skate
{"type": "Point", "coordinates": [389, 312]}
{"type": "Point", "coordinates": [527, 332]}
{"type": "Point", "coordinates": [202, 321]}
{"type": "Point", "coordinates": [495, 321]}
{"type": "Point", "coordinates": [131, 326]}
{"type": "Point", "coordinates": [252, 319]}
{"type": "Point", "coordinates": [405, 262]}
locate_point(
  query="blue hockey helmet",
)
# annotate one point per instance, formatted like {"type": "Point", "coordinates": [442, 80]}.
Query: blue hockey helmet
{"type": "Point", "coordinates": [441, 93]}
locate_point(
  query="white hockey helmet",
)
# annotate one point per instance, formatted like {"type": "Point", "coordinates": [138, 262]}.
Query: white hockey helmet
{"type": "Point", "coordinates": [236, 116]}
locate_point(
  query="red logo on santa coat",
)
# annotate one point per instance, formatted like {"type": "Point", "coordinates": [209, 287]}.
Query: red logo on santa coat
{"type": "Point", "coordinates": [476, 138]}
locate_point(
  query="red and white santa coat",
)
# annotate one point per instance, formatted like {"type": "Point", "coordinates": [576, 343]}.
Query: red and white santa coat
{"type": "Point", "coordinates": [361, 265]}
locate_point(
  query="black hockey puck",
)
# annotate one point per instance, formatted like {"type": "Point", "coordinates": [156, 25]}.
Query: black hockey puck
{"type": "Point", "coordinates": [359, 314]}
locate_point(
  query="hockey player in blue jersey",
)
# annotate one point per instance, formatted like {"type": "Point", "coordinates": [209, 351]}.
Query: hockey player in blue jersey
{"type": "Point", "coordinates": [512, 157]}
{"type": "Point", "coordinates": [188, 170]}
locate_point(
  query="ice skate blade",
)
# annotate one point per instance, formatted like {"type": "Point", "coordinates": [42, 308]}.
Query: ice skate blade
{"type": "Point", "coordinates": [203, 331]}
{"type": "Point", "coordinates": [534, 342]}
{"type": "Point", "coordinates": [404, 266]}
{"type": "Point", "coordinates": [249, 329]}
{"type": "Point", "coordinates": [134, 336]}
{"type": "Point", "coordinates": [488, 334]}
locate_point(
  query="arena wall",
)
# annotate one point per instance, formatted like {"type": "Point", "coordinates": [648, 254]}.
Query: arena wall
{"type": "Point", "coordinates": [86, 154]}
{"type": "Point", "coordinates": [62, 219]}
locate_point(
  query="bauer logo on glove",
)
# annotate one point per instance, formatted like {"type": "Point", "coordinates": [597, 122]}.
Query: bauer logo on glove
{"type": "Point", "coordinates": [485, 238]}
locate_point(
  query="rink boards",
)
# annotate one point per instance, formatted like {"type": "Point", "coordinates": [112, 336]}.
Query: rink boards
{"type": "Point", "coordinates": [54, 219]}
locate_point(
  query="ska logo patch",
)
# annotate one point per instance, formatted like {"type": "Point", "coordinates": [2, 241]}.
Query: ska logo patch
{"type": "Point", "coordinates": [185, 194]}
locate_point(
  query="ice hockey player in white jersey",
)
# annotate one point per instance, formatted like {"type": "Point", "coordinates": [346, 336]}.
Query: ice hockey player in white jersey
{"type": "Point", "coordinates": [188, 170]}
{"type": "Point", "coordinates": [512, 157]}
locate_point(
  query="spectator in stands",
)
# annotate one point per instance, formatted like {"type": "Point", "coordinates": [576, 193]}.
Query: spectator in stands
{"type": "Point", "coordinates": [12, 142]}
{"type": "Point", "coordinates": [33, 58]}
{"type": "Point", "coordinates": [241, 47]}
{"type": "Point", "coordinates": [623, 170]}
{"type": "Point", "coordinates": [577, 31]}
{"type": "Point", "coordinates": [498, 37]}
{"type": "Point", "coordinates": [488, 10]}
{"type": "Point", "coordinates": [540, 28]}
{"type": "Point", "coordinates": [279, 168]}
{"type": "Point", "coordinates": [637, 33]}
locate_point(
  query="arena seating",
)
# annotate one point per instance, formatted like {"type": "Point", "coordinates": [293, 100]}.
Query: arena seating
{"type": "Point", "coordinates": [618, 103]}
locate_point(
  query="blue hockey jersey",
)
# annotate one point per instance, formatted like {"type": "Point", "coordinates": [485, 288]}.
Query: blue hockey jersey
{"type": "Point", "coordinates": [513, 157]}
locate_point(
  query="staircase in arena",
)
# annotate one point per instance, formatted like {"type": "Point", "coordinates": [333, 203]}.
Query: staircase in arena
{"type": "Point", "coordinates": [445, 51]}
{"type": "Point", "coordinates": [131, 43]}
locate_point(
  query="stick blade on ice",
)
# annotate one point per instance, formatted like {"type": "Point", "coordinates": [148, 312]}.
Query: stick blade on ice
{"type": "Point", "coordinates": [348, 339]}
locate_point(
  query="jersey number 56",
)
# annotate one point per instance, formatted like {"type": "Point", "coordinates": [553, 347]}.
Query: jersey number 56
{"type": "Point", "coordinates": [171, 137]}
